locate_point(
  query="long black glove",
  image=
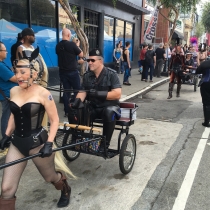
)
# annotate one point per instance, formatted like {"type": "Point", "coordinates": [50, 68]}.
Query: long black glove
{"type": "Point", "coordinates": [46, 150]}
{"type": "Point", "coordinates": [5, 142]}
{"type": "Point", "coordinates": [98, 94]}
{"type": "Point", "coordinates": [77, 104]}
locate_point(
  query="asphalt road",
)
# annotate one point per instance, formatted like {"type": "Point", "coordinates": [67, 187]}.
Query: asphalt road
{"type": "Point", "coordinates": [183, 175]}
{"type": "Point", "coordinates": [168, 133]}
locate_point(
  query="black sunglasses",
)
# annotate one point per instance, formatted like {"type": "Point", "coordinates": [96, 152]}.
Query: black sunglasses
{"type": "Point", "coordinates": [92, 60]}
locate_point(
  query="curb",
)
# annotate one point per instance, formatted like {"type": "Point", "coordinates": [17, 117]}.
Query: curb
{"type": "Point", "coordinates": [145, 90]}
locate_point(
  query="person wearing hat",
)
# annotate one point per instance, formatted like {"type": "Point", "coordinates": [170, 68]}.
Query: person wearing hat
{"type": "Point", "coordinates": [102, 88]}
{"type": "Point", "coordinates": [67, 52]}
{"type": "Point", "coordinates": [15, 46]}
{"type": "Point", "coordinates": [28, 39]}
{"type": "Point", "coordinates": [188, 65]}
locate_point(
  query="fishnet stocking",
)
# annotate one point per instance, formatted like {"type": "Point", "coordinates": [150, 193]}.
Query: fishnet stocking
{"type": "Point", "coordinates": [12, 174]}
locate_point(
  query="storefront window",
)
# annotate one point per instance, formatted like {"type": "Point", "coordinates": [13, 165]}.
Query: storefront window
{"type": "Point", "coordinates": [129, 37]}
{"type": "Point", "coordinates": [13, 18]}
{"type": "Point", "coordinates": [108, 39]}
{"type": "Point", "coordinates": [119, 31]}
{"type": "Point", "coordinates": [91, 20]}
{"type": "Point", "coordinates": [43, 24]}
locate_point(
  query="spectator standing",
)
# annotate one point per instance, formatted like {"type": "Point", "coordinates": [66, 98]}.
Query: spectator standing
{"type": "Point", "coordinates": [7, 81]}
{"type": "Point", "coordinates": [171, 47]}
{"type": "Point", "coordinates": [185, 49]}
{"type": "Point", "coordinates": [28, 37]}
{"type": "Point", "coordinates": [121, 60]}
{"type": "Point", "coordinates": [15, 47]}
{"type": "Point", "coordinates": [160, 57]}
{"type": "Point", "coordinates": [150, 62]}
{"type": "Point", "coordinates": [126, 64]}
{"type": "Point", "coordinates": [168, 57]}
{"type": "Point", "coordinates": [142, 60]}
{"type": "Point", "coordinates": [117, 54]}
{"type": "Point", "coordinates": [67, 52]}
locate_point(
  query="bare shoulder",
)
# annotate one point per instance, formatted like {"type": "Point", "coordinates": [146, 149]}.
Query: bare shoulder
{"type": "Point", "coordinates": [45, 94]}
{"type": "Point", "coordinates": [14, 91]}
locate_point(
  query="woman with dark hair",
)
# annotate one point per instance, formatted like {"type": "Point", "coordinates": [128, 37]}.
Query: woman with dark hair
{"type": "Point", "coordinates": [175, 69]}
{"type": "Point", "coordinates": [28, 103]}
{"type": "Point", "coordinates": [126, 64]}
{"type": "Point", "coordinates": [117, 54]}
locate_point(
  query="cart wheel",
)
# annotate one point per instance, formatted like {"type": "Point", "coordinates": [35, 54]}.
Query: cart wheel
{"type": "Point", "coordinates": [68, 154]}
{"type": "Point", "coordinates": [195, 82]}
{"type": "Point", "coordinates": [127, 154]}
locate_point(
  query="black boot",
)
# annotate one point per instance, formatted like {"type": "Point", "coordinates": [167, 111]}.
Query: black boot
{"type": "Point", "coordinates": [65, 191]}
{"type": "Point", "coordinates": [170, 90]}
{"type": "Point", "coordinates": [108, 129]}
{"type": "Point", "coordinates": [178, 90]}
{"type": "Point", "coordinates": [206, 113]}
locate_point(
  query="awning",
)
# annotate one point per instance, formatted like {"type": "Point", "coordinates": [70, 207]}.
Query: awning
{"type": "Point", "coordinates": [177, 35]}
{"type": "Point", "coordinates": [133, 8]}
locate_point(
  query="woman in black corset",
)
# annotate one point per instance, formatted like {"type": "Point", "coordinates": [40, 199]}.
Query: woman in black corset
{"type": "Point", "coordinates": [28, 103]}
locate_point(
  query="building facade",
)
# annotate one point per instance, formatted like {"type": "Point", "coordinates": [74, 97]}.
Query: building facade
{"type": "Point", "coordinates": [103, 24]}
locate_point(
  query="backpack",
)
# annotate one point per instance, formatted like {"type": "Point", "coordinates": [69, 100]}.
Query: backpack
{"type": "Point", "coordinates": [149, 56]}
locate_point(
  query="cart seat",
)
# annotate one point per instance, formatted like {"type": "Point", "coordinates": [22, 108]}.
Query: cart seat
{"type": "Point", "coordinates": [124, 120]}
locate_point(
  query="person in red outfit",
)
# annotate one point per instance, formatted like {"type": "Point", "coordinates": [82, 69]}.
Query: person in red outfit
{"type": "Point", "coordinates": [142, 59]}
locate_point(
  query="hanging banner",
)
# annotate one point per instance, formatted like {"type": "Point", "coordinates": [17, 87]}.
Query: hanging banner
{"type": "Point", "coordinates": [151, 28]}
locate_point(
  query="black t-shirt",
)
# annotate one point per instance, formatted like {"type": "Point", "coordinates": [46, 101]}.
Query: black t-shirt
{"type": "Point", "coordinates": [67, 52]}
{"type": "Point", "coordinates": [14, 50]}
{"type": "Point", "coordinates": [189, 62]}
{"type": "Point", "coordinates": [149, 56]}
{"type": "Point", "coordinates": [159, 53]}
{"type": "Point", "coordinates": [109, 80]}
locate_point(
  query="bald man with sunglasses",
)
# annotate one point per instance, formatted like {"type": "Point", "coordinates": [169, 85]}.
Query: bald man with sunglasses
{"type": "Point", "coordinates": [104, 93]}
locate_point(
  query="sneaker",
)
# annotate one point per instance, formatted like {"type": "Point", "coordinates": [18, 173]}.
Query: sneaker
{"type": "Point", "coordinates": [150, 81]}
